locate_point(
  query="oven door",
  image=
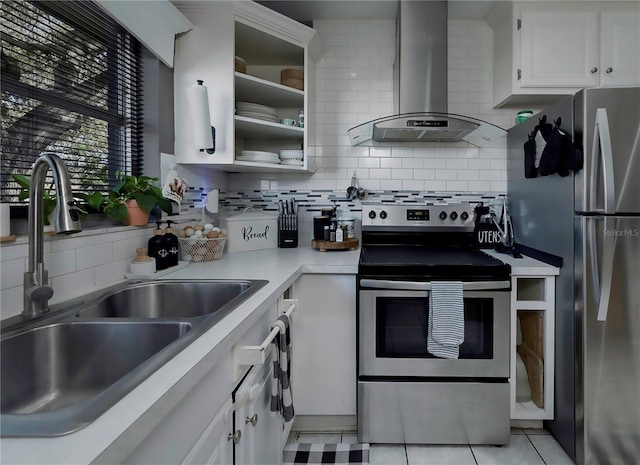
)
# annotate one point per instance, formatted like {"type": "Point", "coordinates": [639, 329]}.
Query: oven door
{"type": "Point", "coordinates": [392, 331]}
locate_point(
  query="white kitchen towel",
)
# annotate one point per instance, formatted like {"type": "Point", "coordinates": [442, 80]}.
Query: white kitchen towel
{"type": "Point", "coordinates": [445, 329]}
{"type": "Point", "coordinates": [281, 398]}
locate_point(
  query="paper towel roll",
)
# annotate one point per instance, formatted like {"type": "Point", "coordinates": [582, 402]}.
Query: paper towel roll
{"type": "Point", "coordinates": [198, 99]}
{"type": "Point", "coordinates": [5, 220]}
{"type": "Point", "coordinates": [212, 201]}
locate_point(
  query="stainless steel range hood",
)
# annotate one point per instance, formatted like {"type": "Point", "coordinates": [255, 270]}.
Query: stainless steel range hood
{"type": "Point", "coordinates": [420, 82]}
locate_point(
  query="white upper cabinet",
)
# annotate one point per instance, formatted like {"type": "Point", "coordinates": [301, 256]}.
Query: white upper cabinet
{"type": "Point", "coordinates": [620, 47]}
{"type": "Point", "coordinates": [558, 49]}
{"type": "Point", "coordinates": [543, 51]}
{"type": "Point", "coordinates": [268, 43]}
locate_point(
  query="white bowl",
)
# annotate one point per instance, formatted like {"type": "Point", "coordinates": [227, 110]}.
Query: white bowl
{"type": "Point", "coordinates": [291, 154]}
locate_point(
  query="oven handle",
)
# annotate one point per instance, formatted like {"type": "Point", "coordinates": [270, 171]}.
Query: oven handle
{"type": "Point", "coordinates": [426, 286]}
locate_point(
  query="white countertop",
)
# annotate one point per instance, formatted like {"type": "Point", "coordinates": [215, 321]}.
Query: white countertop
{"type": "Point", "coordinates": [525, 266]}
{"type": "Point", "coordinates": [123, 425]}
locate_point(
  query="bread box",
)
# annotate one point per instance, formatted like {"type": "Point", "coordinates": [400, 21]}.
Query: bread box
{"type": "Point", "coordinates": [250, 231]}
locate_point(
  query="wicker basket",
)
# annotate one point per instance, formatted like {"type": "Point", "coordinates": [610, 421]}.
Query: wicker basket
{"type": "Point", "coordinates": [201, 249]}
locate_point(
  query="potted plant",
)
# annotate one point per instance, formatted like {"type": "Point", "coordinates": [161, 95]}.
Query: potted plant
{"type": "Point", "coordinates": [130, 200]}
{"type": "Point", "coordinates": [49, 201]}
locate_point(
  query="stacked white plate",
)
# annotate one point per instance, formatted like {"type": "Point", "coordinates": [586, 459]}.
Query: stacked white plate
{"type": "Point", "coordinates": [291, 157]}
{"type": "Point", "coordinates": [292, 162]}
{"type": "Point", "coordinates": [257, 111]}
{"type": "Point", "coordinates": [257, 156]}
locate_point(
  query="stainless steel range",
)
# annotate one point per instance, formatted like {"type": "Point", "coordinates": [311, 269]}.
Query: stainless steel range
{"type": "Point", "coordinates": [405, 393]}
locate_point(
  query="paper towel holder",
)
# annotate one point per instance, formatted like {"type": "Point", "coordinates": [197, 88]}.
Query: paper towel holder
{"type": "Point", "coordinates": [211, 150]}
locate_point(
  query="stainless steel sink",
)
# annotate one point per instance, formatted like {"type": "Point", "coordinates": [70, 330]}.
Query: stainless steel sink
{"type": "Point", "coordinates": [60, 372]}
{"type": "Point", "coordinates": [167, 299]}
{"type": "Point", "coordinates": [81, 364]}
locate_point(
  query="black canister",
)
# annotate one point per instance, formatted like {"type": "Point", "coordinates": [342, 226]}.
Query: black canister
{"type": "Point", "coordinates": [319, 222]}
{"type": "Point", "coordinates": [486, 234]}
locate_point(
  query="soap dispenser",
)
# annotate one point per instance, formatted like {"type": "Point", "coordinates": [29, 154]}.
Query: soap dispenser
{"type": "Point", "coordinates": [171, 245]}
{"type": "Point", "coordinates": [156, 248]}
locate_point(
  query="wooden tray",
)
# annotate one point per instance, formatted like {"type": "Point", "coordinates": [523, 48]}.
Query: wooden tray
{"type": "Point", "coordinates": [323, 246]}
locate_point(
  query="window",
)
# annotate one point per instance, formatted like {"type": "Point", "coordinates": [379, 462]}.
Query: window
{"type": "Point", "coordinates": [70, 85]}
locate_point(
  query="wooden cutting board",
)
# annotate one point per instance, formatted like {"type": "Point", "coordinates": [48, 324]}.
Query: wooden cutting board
{"type": "Point", "coordinates": [535, 371]}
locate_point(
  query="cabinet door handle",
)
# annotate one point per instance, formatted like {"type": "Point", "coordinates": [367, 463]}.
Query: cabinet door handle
{"type": "Point", "coordinates": [235, 437]}
{"type": "Point", "coordinates": [609, 70]}
{"type": "Point", "coordinates": [594, 70]}
{"type": "Point", "coordinates": [253, 420]}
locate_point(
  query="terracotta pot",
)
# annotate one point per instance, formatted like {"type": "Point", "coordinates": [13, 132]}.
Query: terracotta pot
{"type": "Point", "coordinates": [136, 216]}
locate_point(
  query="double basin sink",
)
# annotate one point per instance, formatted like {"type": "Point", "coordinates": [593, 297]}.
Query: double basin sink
{"type": "Point", "coordinates": [60, 373]}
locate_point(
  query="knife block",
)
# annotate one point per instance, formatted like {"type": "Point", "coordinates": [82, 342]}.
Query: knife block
{"type": "Point", "coordinates": [288, 232]}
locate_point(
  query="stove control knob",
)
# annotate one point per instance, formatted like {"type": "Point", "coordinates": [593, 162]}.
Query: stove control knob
{"type": "Point", "coordinates": [443, 216]}
{"type": "Point", "coordinates": [464, 216]}
{"type": "Point", "coordinates": [383, 214]}
{"type": "Point", "coordinates": [453, 216]}
{"type": "Point", "coordinates": [372, 214]}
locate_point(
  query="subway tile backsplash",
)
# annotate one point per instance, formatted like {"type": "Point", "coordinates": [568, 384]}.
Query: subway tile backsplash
{"type": "Point", "coordinates": [77, 264]}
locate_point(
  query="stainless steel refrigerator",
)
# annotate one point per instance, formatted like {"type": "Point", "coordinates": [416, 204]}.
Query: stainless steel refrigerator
{"type": "Point", "coordinates": [589, 221]}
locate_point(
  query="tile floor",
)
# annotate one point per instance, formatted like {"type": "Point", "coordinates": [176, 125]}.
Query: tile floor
{"type": "Point", "coordinates": [527, 447]}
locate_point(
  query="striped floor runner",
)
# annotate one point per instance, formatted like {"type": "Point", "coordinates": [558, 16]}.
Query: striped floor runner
{"type": "Point", "coordinates": [339, 454]}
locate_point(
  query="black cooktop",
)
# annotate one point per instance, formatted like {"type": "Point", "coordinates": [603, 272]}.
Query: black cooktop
{"type": "Point", "coordinates": [423, 262]}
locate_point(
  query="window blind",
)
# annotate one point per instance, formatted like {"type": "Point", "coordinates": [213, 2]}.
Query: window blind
{"type": "Point", "coordinates": [71, 80]}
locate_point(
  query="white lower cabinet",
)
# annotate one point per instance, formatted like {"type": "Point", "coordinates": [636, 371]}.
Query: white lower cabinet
{"type": "Point", "coordinates": [224, 418]}
{"type": "Point", "coordinates": [324, 360]}
{"type": "Point", "coordinates": [258, 431]}
{"type": "Point", "coordinates": [193, 431]}
{"type": "Point", "coordinates": [214, 447]}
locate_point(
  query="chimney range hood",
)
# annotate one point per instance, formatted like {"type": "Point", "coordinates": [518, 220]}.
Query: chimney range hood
{"type": "Point", "coordinates": [420, 81]}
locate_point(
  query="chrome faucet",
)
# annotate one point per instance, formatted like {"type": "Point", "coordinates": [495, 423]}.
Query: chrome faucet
{"type": "Point", "coordinates": [37, 292]}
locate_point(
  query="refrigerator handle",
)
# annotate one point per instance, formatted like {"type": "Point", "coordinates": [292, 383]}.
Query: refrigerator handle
{"type": "Point", "coordinates": [602, 281]}
{"type": "Point", "coordinates": [594, 258]}
{"type": "Point", "coordinates": [602, 138]}
{"type": "Point", "coordinates": [608, 252]}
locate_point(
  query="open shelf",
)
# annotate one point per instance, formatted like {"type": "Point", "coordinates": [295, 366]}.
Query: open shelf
{"type": "Point", "coordinates": [243, 166]}
{"type": "Point", "coordinates": [256, 90]}
{"type": "Point", "coordinates": [530, 411]}
{"type": "Point", "coordinates": [531, 289]}
{"type": "Point", "coordinates": [533, 310]}
{"type": "Point", "coordinates": [255, 129]}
